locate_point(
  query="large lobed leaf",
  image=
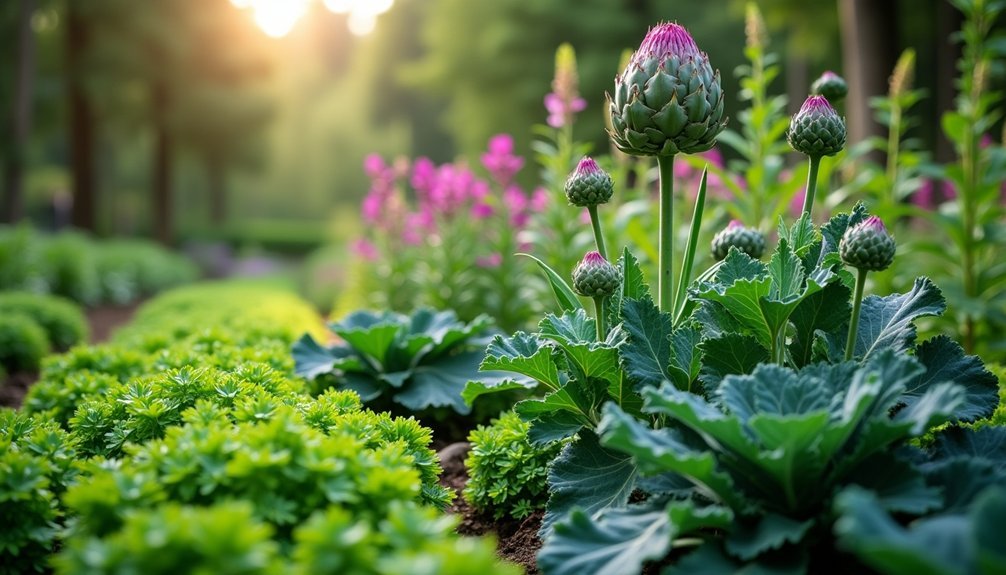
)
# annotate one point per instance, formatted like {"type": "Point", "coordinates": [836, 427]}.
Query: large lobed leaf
{"type": "Point", "coordinates": [887, 322]}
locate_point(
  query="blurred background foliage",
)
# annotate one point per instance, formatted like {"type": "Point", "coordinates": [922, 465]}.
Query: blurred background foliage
{"type": "Point", "coordinates": [187, 111]}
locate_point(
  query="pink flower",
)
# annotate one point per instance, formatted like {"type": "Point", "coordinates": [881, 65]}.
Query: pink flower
{"type": "Point", "coordinates": [424, 176]}
{"type": "Point", "coordinates": [365, 249]}
{"type": "Point", "coordinates": [374, 166]}
{"type": "Point", "coordinates": [372, 207]}
{"type": "Point", "coordinates": [928, 197]}
{"type": "Point", "coordinates": [560, 110]}
{"type": "Point", "coordinates": [539, 200]}
{"type": "Point", "coordinates": [492, 260]}
{"type": "Point", "coordinates": [664, 41]}
{"type": "Point", "coordinates": [481, 210]}
{"type": "Point", "coordinates": [585, 217]}
{"type": "Point", "coordinates": [500, 160]}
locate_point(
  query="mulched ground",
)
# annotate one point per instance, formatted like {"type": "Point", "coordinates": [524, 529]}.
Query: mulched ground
{"type": "Point", "coordinates": [517, 541]}
{"type": "Point", "coordinates": [103, 320]}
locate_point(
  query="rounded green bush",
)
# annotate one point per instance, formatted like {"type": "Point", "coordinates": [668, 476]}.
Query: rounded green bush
{"type": "Point", "coordinates": [62, 320]}
{"type": "Point", "coordinates": [23, 343]}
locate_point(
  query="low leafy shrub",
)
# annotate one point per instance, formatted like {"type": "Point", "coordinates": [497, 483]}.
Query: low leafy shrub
{"type": "Point", "coordinates": [36, 465]}
{"type": "Point", "coordinates": [508, 474]}
{"type": "Point", "coordinates": [420, 361]}
{"type": "Point", "coordinates": [173, 538]}
{"type": "Point", "coordinates": [63, 321]}
{"type": "Point", "coordinates": [23, 343]}
{"type": "Point", "coordinates": [88, 271]}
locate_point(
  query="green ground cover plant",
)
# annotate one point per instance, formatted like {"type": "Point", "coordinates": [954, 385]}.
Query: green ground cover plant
{"type": "Point", "coordinates": [62, 320]}
{"type": "Point", "coordinates": [193, 414]}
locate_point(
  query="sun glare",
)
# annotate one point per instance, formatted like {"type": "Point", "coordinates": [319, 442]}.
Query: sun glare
{"type": "Point", "coordinates": [278, 17]}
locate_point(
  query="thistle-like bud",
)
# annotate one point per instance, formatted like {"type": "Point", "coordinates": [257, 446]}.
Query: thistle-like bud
{"type": "Point", "coordinates": [816, 130]}
{"type": "Point", "coordinates": [831, 86]}
{"type": "Point", "coordinates": [747, 240]}
{"type": "Point", "coordinates": [588, 185]}
{"type": "Point", "coordinates": [668, 100]}
{"type": "Point", "coordinates": [595, 276]}
{"type": "Point", "coordinates": [867, 245]}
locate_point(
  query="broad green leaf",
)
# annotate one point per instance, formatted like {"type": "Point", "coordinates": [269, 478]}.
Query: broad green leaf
{"type": "Point", "coordinates": [587, 476]}
{"type": "Point", "coordinates": [987, 443]}
{"type": "Point", "coordinates": [944, 360]}
{"type": "Point", "coordinates": [563, 293]}
{"type": "Point", "coordinates": [935, 406]}
{"type": "Point", "coordinates": [743, 300]}
{"type": "Point", "coordinates": [476, 389]}
{"type": "Point", "coordinates": [786, 272]}
{"type": "Point", "coordinates": [899, 486]}
{"type": "Point", "coordinates": [555, 425]}
{"type": "Point", "coordinates": [524, 354]}
{"type": "Point", "coordinates": [663, 450]}
{"type": "Point", "coordinates": [801, 236]}
{"type": "Point", "coordinates": [633, 283]}
{"type": "Point", "coordinates": [310, 358]}
{"type": "Point", "coordinates": [962, 480]}
{"type": "Point", "coordinates": [565, 399]}
{"type": "Point", "coordinates": [729, 354]}
{"type": "Point", "coordinates": [616, 543]}
{"type": "Point", "coordinates": [686, 355]}
{"type": "Point", "coordinates": [987, 520]}
{"type": "Point", "coordinates": [619, 541]}
{"type": "Point", "coordinates": [937, 546]}
{"type": "Point", "coordinates": [441, 383]}
{"type": "Point", "coordinates": [646, 354]}
{"type": "Point", "coordinates": [709, 559]}
{"type": "Point", "coordinates": [886, 322]}
{"type": "Point", "coordinates": [371, 335]}
{"type": "Point", "coordinates": [769, 532]}
{"type": "Point", "coordinates": [571, 327]}
{"type": "Point", "coordinates": [738, 266]}
{"type": "Point", "coordinates": [774, 390]}
{"type": "Point", "coordinates": [827, 310]}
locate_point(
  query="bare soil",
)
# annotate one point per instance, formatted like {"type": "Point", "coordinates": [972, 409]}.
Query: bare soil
{"type": "Point", "coordinates": [517, 541]}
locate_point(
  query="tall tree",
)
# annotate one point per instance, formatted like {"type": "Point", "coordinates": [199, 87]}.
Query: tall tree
{"type": "Point", "coordinates": [81, 122]}
{"type": "Point", "coordinates": [18, 124]}
{"type": "Point", "coordinates": [869, 51]}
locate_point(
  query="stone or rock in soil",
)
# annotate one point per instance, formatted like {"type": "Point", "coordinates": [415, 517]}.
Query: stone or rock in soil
{"type": "Point", "coordinates": [516, 540]}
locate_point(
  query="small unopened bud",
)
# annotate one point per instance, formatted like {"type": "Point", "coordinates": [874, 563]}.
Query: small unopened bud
{"type": "Point", "coordinates": [588, 185]}
{"type": "Point", "coordinates": [747, 240]}
{"type": "Point", "coordinates": [595, 276]}
{"type": "Point", "coordinates": [831, 86]}
{"type": "Point", "coordinates": [817, 130]}
{"type": "Point", "coordinates": [868, 246]}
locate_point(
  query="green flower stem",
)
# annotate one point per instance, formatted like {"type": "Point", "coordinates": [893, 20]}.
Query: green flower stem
{"type": "Point", "coordinates": [693, 239]}
{"type": "Point", "coordinates": [601, 310]}
{"type": "Point", "coordinates": [665, 290]}
{"type": "Point", "coordinates": [850, 343]}
{"type": "Point", "coordinates": [808, 198]}
{"type": "Point", "coordinates": [595, 222]}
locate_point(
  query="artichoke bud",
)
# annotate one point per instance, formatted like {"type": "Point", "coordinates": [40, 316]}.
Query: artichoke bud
{"type": "Point", "coordinates": [588, 185]}
{"type": "Point", "coordinates": [816, 130]}
{"type": "Point", "coordinates": [668, 98]}
{"type": "Point", "coordinates": [831, 86]}
{"type": "Point", "coordinates": [595, 276]}
{"type": "Point", "coordinates": [867, 246]}
{"type": "Point", "coordinates": [747, 240]}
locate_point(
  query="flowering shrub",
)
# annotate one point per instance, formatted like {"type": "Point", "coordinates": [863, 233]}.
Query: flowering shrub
{"type": "Point", "coordinates": [441, 236]}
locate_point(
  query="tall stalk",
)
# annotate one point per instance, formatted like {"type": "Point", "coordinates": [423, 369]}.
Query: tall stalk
{"type": "Point", "coordinates": [665, 288]}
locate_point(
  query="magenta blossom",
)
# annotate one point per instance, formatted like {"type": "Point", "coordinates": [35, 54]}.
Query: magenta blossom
{"type": "Point", "coordinates": [500, 160]}
{"type": "Point", "coordinates": [481, 210]}
{"type": "Point", "coordinates": [561, 111]}
{"type": "Point", "coordinates": [666, 40]}
{"type": "Point", "coordinates": [492, 260]}
{"type": "Point", "coordinates": [539, 200]}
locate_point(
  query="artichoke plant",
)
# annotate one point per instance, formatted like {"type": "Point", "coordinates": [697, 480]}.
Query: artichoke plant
{"type": "Point", "coordinates": [831, 86]}
{"type": "Point", "coordinates": [668, 100]}
{"type": "Point", "coordinates": [597, 278]}
{"type": "Point", "coordinates": [747, 240]}
{"type": "Point", "coordinates": [587, 187]}
{"type": "Point", "coordinates": [865, 246]}
{"type": "Point", "coordinates": [816, 130]}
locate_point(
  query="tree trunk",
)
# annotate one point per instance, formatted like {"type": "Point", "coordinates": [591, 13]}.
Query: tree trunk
{"type": "Point", "coordinates": [13, 208]}
{"type": "Point", "coordinates": [216, 175]}
{"type": "Point", "coordinates": [949, 21]}
{"type": "Point", "coordinates": [81, 124]}
{"type": "Point", "coordinates": [162, 213]}
{"type": "Point", "coordinates": [869, 52]}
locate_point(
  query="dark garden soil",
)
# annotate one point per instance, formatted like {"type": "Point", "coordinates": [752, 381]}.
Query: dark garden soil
{"type": "Point", "coordinates": [103, 321]}
{"type": "Point", "coordinates": [517, 540]}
